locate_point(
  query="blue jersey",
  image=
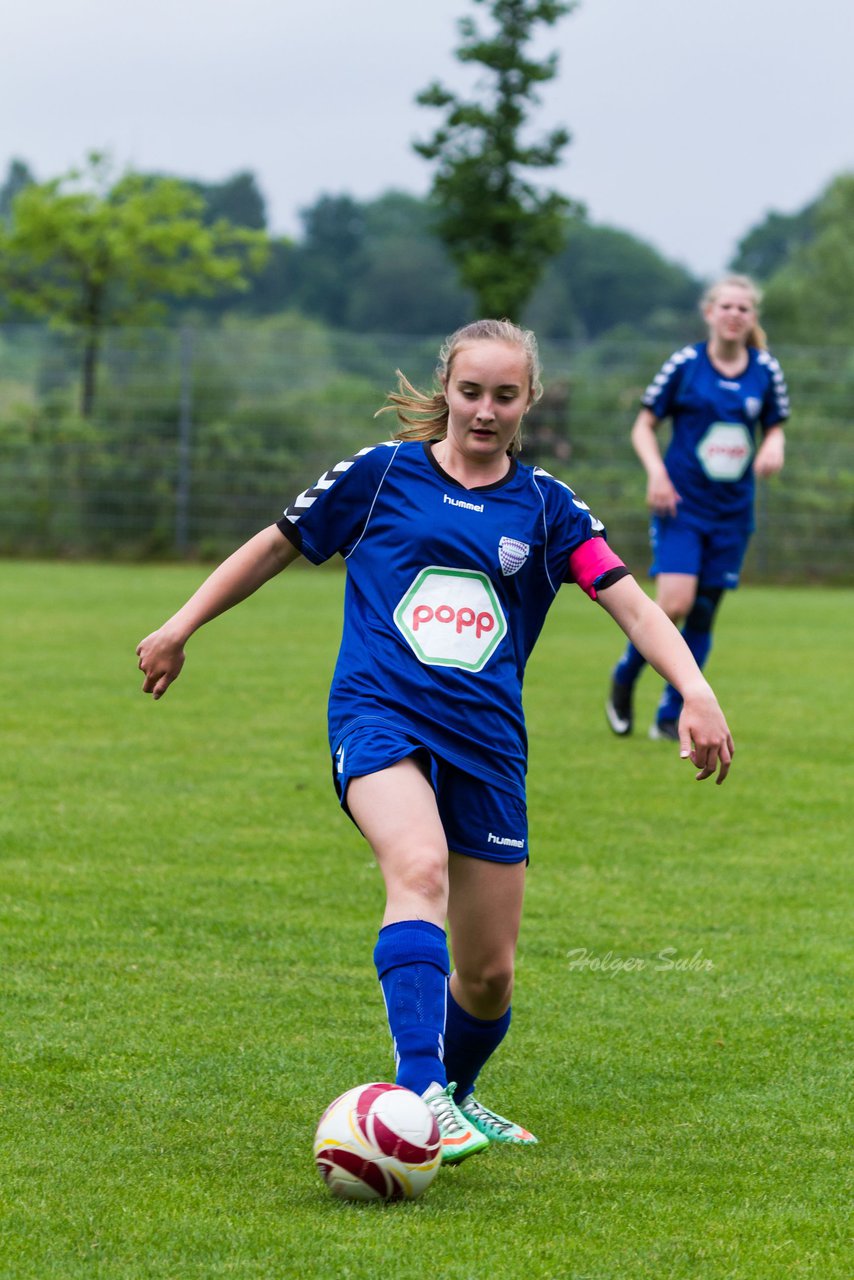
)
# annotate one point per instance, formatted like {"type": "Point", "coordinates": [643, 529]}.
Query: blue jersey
{"type": "Point", "coordinates": [716, 421]}
{"type": "Point", "coordinates": [447, 590]}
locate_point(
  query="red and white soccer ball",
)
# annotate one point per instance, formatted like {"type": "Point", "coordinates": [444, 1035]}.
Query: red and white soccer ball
{"type": "Point", "coordinates": [378, 1142]}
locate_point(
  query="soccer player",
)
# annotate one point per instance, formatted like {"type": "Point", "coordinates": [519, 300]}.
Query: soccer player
{"type": "Point", "coordinates": [723, 395]}
{"type": "Point", "coordinates": [454, 552]}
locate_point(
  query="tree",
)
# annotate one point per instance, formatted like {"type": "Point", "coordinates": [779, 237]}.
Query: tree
{"type": "Point", "coordinates": [332, 257]}
{"type": "Point", "coordinates": [500, 230]}
{"type": "Point", "coordinates": [87, 252]}
{"type": "Point", "coordinates": [18, 176]}
{"type": "Point", "coordinates": [769, 245]}
{"type": "Point", "coordinates": [605, 277]}
{"type": "Point", "coordinates": [409, 284]}
{"type": "Point", "coordinates": [811, 298]}
{"type": "Point", "coordinates": [238, 200]}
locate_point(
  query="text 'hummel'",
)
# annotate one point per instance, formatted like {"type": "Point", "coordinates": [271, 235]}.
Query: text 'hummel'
{"type": "Point", "coordinates": [458, 502]}
{"type": "Point", "coordinates": [505, 840]}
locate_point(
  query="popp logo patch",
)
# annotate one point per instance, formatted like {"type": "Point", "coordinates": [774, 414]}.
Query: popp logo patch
{"type": "Point", "coordinates": [725, 451]}
{"type": "Point", "coordinates": [451, 618]}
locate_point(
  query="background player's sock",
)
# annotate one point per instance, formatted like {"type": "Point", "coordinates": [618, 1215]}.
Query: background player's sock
{"type": "Point", "coordinates": [469, 1041]}
{"type": "Point", "coordinates": [630, 666]}
{"type": "Point", "coordinates": [412, 965]}
{"type": "Point", "coordinates": [700, 644]}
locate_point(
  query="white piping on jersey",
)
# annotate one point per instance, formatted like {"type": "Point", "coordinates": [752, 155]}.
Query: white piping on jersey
{"type": "Point", "coordinates": [664, 373]}
{"type": "Point", "coordinates": [596, 525]}
{"type": "Point", "coordinates": [394, 445]}
{"type": "Point", "coordinates": [538, 471]}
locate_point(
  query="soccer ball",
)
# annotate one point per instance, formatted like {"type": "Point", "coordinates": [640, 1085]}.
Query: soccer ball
{"type": "Point", "coordinates": [378, 1142]}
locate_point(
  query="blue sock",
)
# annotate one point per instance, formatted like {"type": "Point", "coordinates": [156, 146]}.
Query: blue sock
{"type": "Point", "coordinates": [469, 1041]}
{"type": "Point", "coordinates": [630, 666]}
{"type": "Point", "coordinates": [412, 965]}
{"type": "Point", "coordinates": [700, 644]}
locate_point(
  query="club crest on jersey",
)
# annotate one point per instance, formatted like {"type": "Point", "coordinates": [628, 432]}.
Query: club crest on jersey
{"type": "Point", "coordinates": [752, 406]}
{"type": "Point", "coordinates": [512, 554]}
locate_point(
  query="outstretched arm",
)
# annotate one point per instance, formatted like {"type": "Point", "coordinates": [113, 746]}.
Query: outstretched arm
{"type": "Point", "coordinates": [704, 736]}
{"type": "Point", "coordinates": [161, 655]}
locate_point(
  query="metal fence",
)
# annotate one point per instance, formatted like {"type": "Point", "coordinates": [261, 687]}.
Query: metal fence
{"type": "Point", "coordinates": [199, 437]}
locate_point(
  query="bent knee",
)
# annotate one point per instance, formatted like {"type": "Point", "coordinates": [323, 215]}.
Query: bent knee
{"type": "Point", "coordinates": [423, 876]}
{"type": "Point", "coordinates": [489, 988]}
{"type": "Point", "coordinates": [676, 601]}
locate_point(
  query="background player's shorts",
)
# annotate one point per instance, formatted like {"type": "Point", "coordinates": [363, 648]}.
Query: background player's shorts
{"type": "Point", "coordinates": [713, 555]}
{"type": "Point", "coordinates": [479, 819]}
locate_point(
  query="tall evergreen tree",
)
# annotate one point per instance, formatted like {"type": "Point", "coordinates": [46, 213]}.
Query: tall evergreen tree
{"type": "Point", "coordinates": [18, 176]}
{"type": "Point", "coordinates": [499, 228]}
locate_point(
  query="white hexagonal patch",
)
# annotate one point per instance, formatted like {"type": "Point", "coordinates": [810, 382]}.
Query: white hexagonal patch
{"type": "Point", "coordinates": [725, 451]}
{"type": "Point", "coordinates": [451, 618]}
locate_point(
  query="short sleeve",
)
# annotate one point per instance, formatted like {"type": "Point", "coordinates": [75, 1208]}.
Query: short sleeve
{"type": "Point", "coordinates": [572, 525]}
{"type": "Point", "coordinates": [660, 395]}
{"type": "Point", "coordinates": [775, 406]}
{"type": "Point", "coordinates": [331, 515]}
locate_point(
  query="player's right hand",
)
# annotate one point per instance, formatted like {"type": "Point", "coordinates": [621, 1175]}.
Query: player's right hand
{"type": "Point", "coordinates": [704, 736]}
{"type": "Point", "coordinates": [661, 496]}
{"type": "Point", "coordinates": [161, 658]}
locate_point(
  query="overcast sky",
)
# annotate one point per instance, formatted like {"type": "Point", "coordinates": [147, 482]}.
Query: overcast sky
{"type": "Point", "coordinates": [690, 119]}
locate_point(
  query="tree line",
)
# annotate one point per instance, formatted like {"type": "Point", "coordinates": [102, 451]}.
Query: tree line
{"type": "Point", "coordinates": [92, 249]}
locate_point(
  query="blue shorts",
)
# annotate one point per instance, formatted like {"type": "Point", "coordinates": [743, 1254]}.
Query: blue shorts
{"type": "Point", "coordinates": [479, 819]}
{"type": "Point", "coordinates": [714, 556]}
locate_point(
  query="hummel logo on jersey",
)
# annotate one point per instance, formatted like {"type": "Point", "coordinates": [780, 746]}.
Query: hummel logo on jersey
{"type": "Point", "coordinates": [512, 554]}
{"type": "Point", "coordinates": [458, 502]}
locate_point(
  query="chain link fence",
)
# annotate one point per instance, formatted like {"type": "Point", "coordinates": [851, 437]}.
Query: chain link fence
{"type": "Point", "coordinates": [200, 437]}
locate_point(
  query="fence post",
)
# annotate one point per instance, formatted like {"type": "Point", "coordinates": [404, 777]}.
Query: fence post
{"type": "Point", "coordinates": [185, 435]}
{"type": "Point", "coordinates": [761, 534]}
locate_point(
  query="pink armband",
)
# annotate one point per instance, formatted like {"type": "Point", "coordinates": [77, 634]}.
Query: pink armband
{"type": "Point", "coordinates": [589, 561]}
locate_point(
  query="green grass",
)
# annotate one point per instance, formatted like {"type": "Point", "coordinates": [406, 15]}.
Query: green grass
{"type": "Point", "coordinates": [187, 925]}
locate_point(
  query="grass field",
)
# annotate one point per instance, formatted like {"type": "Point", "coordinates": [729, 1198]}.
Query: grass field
{"type": "Point", "coordinates": [187, 981]}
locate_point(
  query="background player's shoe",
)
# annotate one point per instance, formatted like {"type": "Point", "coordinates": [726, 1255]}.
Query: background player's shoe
{"type": "Point", "coordinates": [495, 1127]}
{"type": "Point", "coordinates": [664, 731]}
{"type": "Point", "coordinates": [460, 1136]}
{"type": "Point", "coordinates": [618, 708]}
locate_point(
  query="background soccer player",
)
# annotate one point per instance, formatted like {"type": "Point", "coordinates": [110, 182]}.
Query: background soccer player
{"type": "Point", "coordinates": [721, 395]}
{"type": "Point", "coordinates": [454, 552]}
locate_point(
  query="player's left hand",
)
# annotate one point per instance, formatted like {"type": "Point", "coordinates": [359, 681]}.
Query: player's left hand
{"type": "Point", "coordinates": [704, 737]}
{"type": "Point", "coordinates": [770, 455]}
{"type": "Point", "coordinates": [161, 657]}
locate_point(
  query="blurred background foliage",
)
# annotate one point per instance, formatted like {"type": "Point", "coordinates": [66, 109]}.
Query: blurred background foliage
{"type": "Point", "coordinates": [205, 424]}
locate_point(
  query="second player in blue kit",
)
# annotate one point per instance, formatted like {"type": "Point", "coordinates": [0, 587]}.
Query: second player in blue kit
{"type": "Point", "coordinates": [454, 551]}
{"type": "Point", "coordinates": [727, 400]}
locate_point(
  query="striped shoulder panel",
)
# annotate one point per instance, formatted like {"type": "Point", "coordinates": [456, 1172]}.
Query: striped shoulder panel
{"type": "Point", "coordinates": [778, 380]}
{"type": "Point", "coordinates": [308, 497]}
{"type": "Point", "coordinates": [540, 473]}
{"type": "Point", "coordinates": [666, 372]}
